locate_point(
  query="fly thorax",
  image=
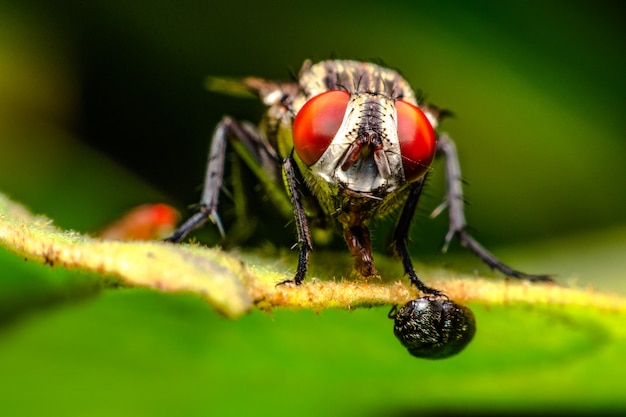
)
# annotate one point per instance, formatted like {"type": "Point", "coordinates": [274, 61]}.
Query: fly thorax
{"type": "Point", "coordinates": [364, 156]}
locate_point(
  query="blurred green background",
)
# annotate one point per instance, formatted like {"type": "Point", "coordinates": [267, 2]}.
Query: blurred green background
{"type": "Point", "coordinates": [102, 107]}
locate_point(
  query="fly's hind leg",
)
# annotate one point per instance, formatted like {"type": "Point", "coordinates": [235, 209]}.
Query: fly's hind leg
{"type": "Point", "coordinates": [261, 155]}
{"type": "Point", "coordinates": [455, 204]}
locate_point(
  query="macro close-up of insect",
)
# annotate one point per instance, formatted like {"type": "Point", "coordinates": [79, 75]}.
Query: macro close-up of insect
{"type": "Point", "coordinates": [407, 208]}
{"type": "Point", "coordinates": [345, 144]}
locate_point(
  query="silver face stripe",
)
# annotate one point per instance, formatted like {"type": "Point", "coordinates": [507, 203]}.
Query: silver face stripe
{"type": "Point", "coordinates": [370, 121]}
{"type": "Point", "coordinates": [365, 176]}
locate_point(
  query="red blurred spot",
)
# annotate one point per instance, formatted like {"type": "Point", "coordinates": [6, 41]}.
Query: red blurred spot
{"type": "Point", "coordinates": [145, 222]}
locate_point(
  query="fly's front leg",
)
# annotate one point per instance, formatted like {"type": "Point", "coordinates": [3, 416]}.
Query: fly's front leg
{"type": "Point", "coordinates": [455, 204]}
{"type": "Point", "coordinates": [214, 178]}
{"type": "Point", "coordinates": [302, 225]}
{"type": "Point", "coordinates": [401, 234]}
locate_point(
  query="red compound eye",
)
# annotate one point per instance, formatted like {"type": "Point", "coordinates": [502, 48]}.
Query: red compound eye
{"type": "Point", "coordinates": [417, 140]}
{"type": "Point", "coordinates": [317, 123]}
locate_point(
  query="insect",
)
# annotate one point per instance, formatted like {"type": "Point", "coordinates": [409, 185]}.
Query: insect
{"type": "Point", "coordinates": [350, 142]}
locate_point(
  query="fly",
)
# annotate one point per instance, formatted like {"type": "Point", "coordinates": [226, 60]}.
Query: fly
{"type": "Point", "coordinates": [350, 142]}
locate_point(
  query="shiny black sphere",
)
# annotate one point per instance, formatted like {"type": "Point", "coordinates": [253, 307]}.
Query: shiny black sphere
{"type": "Point", "coordinates": [434, 328]}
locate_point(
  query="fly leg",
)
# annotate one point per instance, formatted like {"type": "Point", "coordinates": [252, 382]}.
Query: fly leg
{"type": "Point", "coordinates": [260, 151]}
{"type": "Point", "coordinates": [455, 204]}
{"type": "Point", "coordinates": [302, 225]}
{"type": "Point", "coordinates": [401, 234]}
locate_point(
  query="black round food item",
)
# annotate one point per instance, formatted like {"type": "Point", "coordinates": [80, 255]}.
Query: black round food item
{"type": "Point", "coordinates": [434, 327]}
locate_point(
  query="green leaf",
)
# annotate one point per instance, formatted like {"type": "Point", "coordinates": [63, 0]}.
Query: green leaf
{"type": "Point", "coordinates": [208, 272]}
{"type": "Point", "coordinates": [135, 351]}
{"type": "Point", "coordinates": [139, 352]}
{"type": "Point", "coordinates": [232, 288]}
